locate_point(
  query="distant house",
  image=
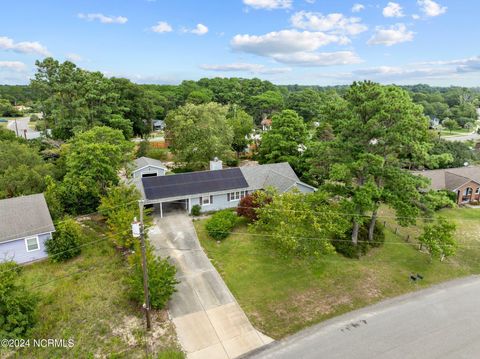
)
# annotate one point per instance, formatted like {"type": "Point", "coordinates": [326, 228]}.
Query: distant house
{"type": "Point", "coordinates": [217, 188]}
{"type": "Point", "coordinates": [158, 125]}
{"type": "Point", "coordinates": [266, 124]}
{"type": "Point", "coordinates": [434, 122]}
{"type": "Point", "coordinates": [25, 225]}
{"type": "Point", "coordinates": [147, 167]}
{"type": "Point", "coordinates": [463, 181]}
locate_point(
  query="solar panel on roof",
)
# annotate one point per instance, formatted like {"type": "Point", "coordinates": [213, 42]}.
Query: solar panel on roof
{"type": "Point", "coordinates": [184, 184]}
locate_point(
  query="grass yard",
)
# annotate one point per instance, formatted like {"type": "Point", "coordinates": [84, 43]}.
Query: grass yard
{"type": "Point", "coordinates": [92, 307]}
{"type": "Point", "coordinates": [282, 296]}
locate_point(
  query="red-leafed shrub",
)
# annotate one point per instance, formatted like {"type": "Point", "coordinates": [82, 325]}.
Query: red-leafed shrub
{"type": "Point", "coordinates": [247, 207]}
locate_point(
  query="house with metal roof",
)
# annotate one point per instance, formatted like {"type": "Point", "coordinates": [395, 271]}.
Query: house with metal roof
{"type": "Point", "coordinates": [217, 188]}
{"type": "Point", "coordinates": [25, 225]}
{"type": "Point", "coordinates": [463, 181]}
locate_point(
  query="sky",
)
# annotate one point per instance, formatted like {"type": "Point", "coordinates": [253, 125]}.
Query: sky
{"type": "Point", "coordinates": [308, 42]}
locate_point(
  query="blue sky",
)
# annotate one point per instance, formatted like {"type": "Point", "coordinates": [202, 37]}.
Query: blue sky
{"type": "Point", "coordinates": [320, 42]}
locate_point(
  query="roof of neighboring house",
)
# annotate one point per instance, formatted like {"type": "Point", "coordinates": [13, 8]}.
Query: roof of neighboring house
{"type": "Point", "coordinates": [24, 216]}
{"type": "Point", "coordinates": [184, 184]}
{"type": "Point", "coordinates": [266, 122]}
{"type": "Point", "coordinates": [142, 162]}
{"type": "Point", "coordinates": [451, 178]}
{"type": "Point", "coordinates": [158, 122]}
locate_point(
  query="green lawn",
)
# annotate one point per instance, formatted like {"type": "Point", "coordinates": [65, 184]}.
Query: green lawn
{"type": "Point", "coordinates": [92, 307]}
{"type": "Point", "coordinates": [282, 296]}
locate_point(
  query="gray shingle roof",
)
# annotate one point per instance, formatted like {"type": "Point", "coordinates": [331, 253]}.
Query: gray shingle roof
{"type": "Point", "coordinates": [146, 161]}
{"type": "Point", "coordinates": [451, 178]}
{"type": "Point", "coordinates": [259, 177]}
{"type": "Point", "coordinates": [24, 216]}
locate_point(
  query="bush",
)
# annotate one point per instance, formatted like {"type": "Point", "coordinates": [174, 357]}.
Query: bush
{"type": "Point", "coordinates": [65, 242]}
{"type": "Point", "coordinates": [344, 246]}
{"type": "Point", "coordinates": [196, 210]}
{"type": "Point", "coordinates": [161, 278]}
{"type": "Point", "coordinates": [17, 305]}
{"type": "Point", "coordinates": [248, 205]}
{"type": "Point", "coordinates": [221, 224]}
{"type": "Point", "coordinates": [232, 162]}
{"type": "Point", "coordinates": [157, 153]}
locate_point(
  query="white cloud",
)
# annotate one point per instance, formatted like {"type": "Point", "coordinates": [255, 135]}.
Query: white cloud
{"type": "Point", "coordinates": [284, 41]}
{"type": "Point", "coordinates": [13, 65]}
{"type": "Point", "coordinates": [393, 9]}
{"type": "Point", "coordinates": [200, 30]}
{"type": "Point", "coordinates": [431, 8]}
{"type": "Point", "coordinates": [74, 57]}
{"type": "Point", "coordinates": [415, 16]}
{"type": "Point", "coordinates": [391, 35]}
{"type": "Point", "coordinates": [103, 18]}
{"type": "Point", "coordinates": [310, 1]}
{"type": "Point", "coordinates": [246, 67]}
{"type": "Point", "coordinates": [358, 7]}
{"type": "Point", "coordinates": [162, 27]}
{"type": "Point", "coordinates": [24, 47]}
{"type": "Point", "coordinates": [319, 58]}
{"type": "Point", "coordinates": [295, 47]}
{"type": "Point", "coordinates": [334, 23]}
{"type": "Point", "coordinates": [269, 4]}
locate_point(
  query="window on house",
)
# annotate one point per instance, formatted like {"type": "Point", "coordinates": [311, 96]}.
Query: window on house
{"type": "Point", "coordinates": [235, 196]}
{"type": "Point", "coordinates": [477, 191]}
{"type": "Point", "coordinates": [205, 201]}
{"type": "Point", "coordinates": [468, 191]}
{"type": "Point", "coordinates": [32, 244]}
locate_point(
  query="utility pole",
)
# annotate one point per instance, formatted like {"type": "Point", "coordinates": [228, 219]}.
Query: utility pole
{"type": "Point", "coordinates": [141, 234]}
{"type": "Point", "coordinates": [16, 127]}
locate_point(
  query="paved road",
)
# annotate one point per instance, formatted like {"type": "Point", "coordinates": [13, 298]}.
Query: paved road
{"type": "Point", "coordinates": [462, 138]}
{"type": "Point", "coordinates": [440, 322]}
{"type": "Point", "coordinates": [209, 322]}
{"type": "Point", "coordinates": [22, 125]}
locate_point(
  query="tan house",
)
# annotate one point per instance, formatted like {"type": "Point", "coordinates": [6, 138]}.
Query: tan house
{"type": "Point", "coordinates": [463, 181]}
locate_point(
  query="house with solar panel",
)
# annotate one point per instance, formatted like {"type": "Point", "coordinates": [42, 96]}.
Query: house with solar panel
{"type": "Point", "coordinates": [217, 188]}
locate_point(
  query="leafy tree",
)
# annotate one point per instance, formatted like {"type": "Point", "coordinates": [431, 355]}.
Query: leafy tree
{"type": "Point", "coordinates": [6, 108]}
{"type": "Point", "coordinates": [22, 170]}
{"type": "Point", "coordinates": [267, 103]}
{"type": "Point", "coordinates": [122, 124]}
{"type": "Point", "coordinates": [301, 225]}
{"type": "Point", "coordinates": [17, 305]}
{"type": "Point", "coordinates": [120, 207]}
{"type": "Point", "coordinates": [93, 159]}
{"type": "Point", "coordinates": [439, 238]}
{"type": "Point", "coordinates": [450, 124]}
{"type": "Point", "coordinates": [379, 133]}
{"type": "Point", "coordinates": [306, 103]}
{"type": "Point", "coordinates": [284, 140]}
{"type": "Point", "coordinates": [66, 240]}
{"type": "Point", "coordinates": [161, 278]}
{"type": "Point", "coordinates": [197, 133]}
{"type": "Point", "coordinates": [7, 135]}
{"type": "Point", "coordinates": [242, 126]}
{"type": "Point", "coordinates": [53, 196]}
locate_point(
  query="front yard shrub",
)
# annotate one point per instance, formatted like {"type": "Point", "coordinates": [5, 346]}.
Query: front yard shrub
{"type": "Point", "coordinates": [161, 278]}
{"type": "Point", "coordinates": [344, 245]}
{"type": "Point", "coordinates": [196, 210]}
{"type": "Point", "coordinates": [65, 242]}
{"type": "Point", "coordinates": [221, 224]}
{"type": "Point", "coordinates": [17, 305]}
{"type": "Point", "coordinates": [248, 205]}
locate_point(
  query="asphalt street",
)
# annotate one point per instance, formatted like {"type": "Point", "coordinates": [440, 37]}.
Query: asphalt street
{"type": "Point", "coordinates": [440, 322]}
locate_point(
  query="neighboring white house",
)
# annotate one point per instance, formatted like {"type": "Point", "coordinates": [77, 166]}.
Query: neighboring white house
{"type": "Point", "coordinates": [25, 225]}
{"type": "Point", "coordinates": [217, 188]}
{"type": "Point", "coordinates": [147, 167]}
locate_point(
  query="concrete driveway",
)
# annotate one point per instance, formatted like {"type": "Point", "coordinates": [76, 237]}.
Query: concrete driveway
{"type": "Point", "coordinates": [209, 322]}
{"type": "Point", "coordinates": [440, 322]}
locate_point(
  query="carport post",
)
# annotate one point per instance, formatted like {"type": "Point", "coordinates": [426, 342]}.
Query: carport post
{"type": "Point", "coordinates": [161, 209]}
{"type": "Point", "coordinates": [144, 267]}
